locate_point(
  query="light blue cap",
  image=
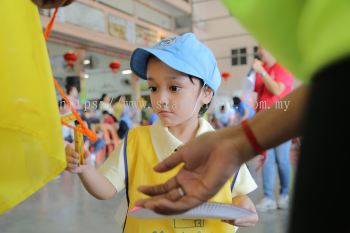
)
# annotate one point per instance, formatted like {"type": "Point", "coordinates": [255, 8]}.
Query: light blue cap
{"type": "Point", "coordinates": [183, 53]}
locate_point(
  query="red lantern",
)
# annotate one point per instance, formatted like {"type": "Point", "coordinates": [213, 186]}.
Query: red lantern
{"type": "Point", "coordinates": [115, 66]}
{"type": "Point", "coordinates": [225, 75]}
{"type": "Point", "coordinates": [70, 58]}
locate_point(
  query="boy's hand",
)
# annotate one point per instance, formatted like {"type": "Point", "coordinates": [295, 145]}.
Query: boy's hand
{"type": "Point", "coordinates": [72, 159]}
{"type": "Point", "coordinates": [47, 4]}
{"type": "Point", "coordinates": [246, 203]}
{"type": "Point", "coordinates": [244, 222]}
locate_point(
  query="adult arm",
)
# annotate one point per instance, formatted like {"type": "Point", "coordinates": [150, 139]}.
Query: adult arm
{"type": "Point", "coordinates": [212, 158]}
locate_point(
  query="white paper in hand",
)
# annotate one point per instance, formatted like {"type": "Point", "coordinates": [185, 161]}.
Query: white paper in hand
{"type": "Point", "coordinates": [208, 210]}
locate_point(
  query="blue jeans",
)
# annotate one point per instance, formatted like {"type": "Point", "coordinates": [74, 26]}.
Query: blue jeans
{"type": "Point", "coordinates": [280, 156]}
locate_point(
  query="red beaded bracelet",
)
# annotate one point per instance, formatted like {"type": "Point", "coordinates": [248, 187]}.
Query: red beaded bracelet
{"type": "Point", "coordinates": [251, 138]}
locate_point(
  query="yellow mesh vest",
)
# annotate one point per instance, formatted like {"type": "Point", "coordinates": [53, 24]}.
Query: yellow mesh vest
{"type": "Point", "coordinates": [31, 144]}
{"type": "Point", "coordinates": [141, 159]}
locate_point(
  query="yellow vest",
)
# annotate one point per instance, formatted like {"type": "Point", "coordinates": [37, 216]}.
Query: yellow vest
{"type": "Point", "coordinates": [140, 158]}
{"type": "Point", "coordinates": [118, 109]}
{"type": "Point", "coordinates": [31, 142]}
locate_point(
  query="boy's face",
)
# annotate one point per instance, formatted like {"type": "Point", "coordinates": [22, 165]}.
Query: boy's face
{"type": "Point", "coordinates": [173, 95]}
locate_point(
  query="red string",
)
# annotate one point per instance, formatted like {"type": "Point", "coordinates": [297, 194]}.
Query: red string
{"type": "Point", "coordinates": [254, 143]}
{"type": "Point", "coordinates": [251, 138]}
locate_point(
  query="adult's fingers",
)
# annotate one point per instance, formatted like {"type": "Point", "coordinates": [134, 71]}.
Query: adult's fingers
{"type": "Point", "coordinates": [169, 163]}
{"type": "Point", "coordinates": [172, 195]}
{"type": "Point", "coordinates": [165, 206]}
{"type": "Point", "coordinates": [159, 189]}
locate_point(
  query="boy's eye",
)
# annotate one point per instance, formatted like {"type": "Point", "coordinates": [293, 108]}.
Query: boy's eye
{"type": "Point", "coordinates": [175, 88]}
{"type": "Point", "coordinates": [152, 89]}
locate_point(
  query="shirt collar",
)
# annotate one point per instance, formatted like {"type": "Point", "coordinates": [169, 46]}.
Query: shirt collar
{"type": "Point", "coordinates": [164, 142]}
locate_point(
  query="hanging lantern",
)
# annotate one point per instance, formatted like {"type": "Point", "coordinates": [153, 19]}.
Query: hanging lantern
{"type": "Point", "coordinates": [115, 66]}
{"type": "Point", "coordinates": [70, 58]}
{"type": "Point", "coordinates": [225, 75]}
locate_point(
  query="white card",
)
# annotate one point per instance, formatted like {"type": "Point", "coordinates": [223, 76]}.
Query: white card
{"type": "Point", "coordinates": [208, 210]}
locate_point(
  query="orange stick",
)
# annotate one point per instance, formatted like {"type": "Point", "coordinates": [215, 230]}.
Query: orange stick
{"type": "Point", "coordinates": [83, 129]}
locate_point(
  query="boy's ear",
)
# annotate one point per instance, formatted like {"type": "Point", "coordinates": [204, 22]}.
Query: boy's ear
{"type": "Point", "coordinates": [208, 95]}
{"type": "Point", "coordinates": [207, 91]}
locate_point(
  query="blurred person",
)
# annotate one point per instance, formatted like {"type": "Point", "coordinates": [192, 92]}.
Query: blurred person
{"type": "Point", "coordinates": [125, 122]}
{"type": "Point", "coordinates": [119, 106]}
{"type": "Point", "coordinates": [244, 111]}
{"type": "Point", "coordinates": [224, 117]}
{"type": "Point", "coordinates": [272, 83]}
{"type": "Point", "coordinates": [104, 104]}
{"type": "Point", "coordinates": [68, 133]}
{"type": "Point", "coordinates": [73, 97]}
{"type": "Point", "coordinates": [107, 118]}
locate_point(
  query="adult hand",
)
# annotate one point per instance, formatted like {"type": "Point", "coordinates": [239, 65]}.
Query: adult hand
{"type": "Point", "coordinates": [47, 4]}
{"type": "Point", "coordinates": [209, 161]}
{"type": "Point", "coordinates": [258, 66]}
{"type": "Point", "coordinates": [212, 158]}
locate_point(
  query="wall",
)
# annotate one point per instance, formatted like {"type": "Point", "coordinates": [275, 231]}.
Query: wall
{"type": "Point", "coordinates": [213, 24]}
{"type": "Point", "coordinates": [100, 78]}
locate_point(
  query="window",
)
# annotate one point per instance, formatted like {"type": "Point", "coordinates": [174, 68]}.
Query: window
{"type": "Point", "coordinates": [256, 52]}
{"type": "Point", "coordinates": [239, 56]}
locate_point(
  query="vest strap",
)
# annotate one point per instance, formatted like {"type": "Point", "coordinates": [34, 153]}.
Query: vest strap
{"type": "Point", "coordinates": [126, 174]}
{"type": "Point", "coordinates": [234, 180]}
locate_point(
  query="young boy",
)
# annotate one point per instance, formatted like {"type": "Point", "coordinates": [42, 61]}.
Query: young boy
{"type": "Point", "coordinates": [182, 76]}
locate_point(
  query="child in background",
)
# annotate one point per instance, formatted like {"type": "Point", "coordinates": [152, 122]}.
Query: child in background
{"type": "Point", "coordinates": [182, 76]}
{"type": "Point", "coordinates": [68, 133]}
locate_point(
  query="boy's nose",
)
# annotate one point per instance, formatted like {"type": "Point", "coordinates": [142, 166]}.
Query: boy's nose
{"type": "Point", "coordinates": [163, 98]}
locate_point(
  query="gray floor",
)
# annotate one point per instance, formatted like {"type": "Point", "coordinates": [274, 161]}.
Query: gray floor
{"type": "Point", "coordinates": [64, 206]}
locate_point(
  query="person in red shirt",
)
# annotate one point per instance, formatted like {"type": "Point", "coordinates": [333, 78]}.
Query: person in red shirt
{"type": "Point", "coordinates": [272, 83]}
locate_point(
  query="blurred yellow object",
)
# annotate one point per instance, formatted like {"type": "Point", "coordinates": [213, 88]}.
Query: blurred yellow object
{"type": "Point", "coordinates": [118, 109]}
{"type": "Point", "coordinates": [79, 145]}
{"type": "Point", "coordinates": [31, 144]}
{"type": "Point", "coordinates": [68, 118]}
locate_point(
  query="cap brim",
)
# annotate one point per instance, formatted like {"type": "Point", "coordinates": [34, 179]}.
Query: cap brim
{"type": "Point", "coordinates": [138, 62]}
{"type": "Point", "coordinates": [140, 57]}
